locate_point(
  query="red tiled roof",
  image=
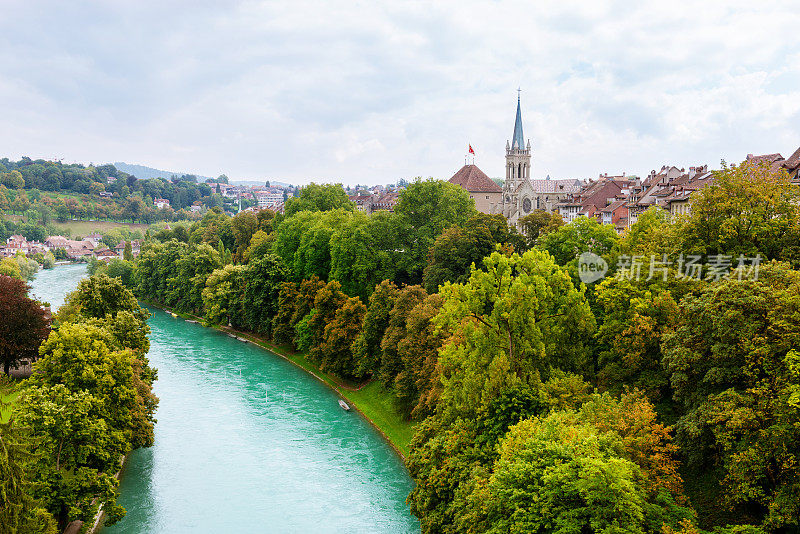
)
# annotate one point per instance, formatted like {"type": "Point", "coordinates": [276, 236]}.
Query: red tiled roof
{"type": "Point", "coordinates": [474, 180]}
{"type": "Point", "coordinates": [793, 161]}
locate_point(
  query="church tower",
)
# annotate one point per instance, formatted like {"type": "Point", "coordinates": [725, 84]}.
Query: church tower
{"type": "Point", "coordinates": [518, 155]}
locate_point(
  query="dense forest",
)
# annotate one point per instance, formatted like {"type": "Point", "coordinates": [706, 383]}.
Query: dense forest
{"type": "Point", "coordinates": [662, 398]}
{"type": "Point", "coordinates": [73, 191]}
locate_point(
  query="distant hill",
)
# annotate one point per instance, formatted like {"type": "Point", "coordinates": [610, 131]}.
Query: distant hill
{"type": "Point", "coordinates": [143, 173]}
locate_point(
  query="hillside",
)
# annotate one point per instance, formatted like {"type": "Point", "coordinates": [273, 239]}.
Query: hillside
{"type": "Point", "coordinates": [143, 172]}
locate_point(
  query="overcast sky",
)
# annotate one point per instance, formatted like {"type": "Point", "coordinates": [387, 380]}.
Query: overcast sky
{"type": "Point", "coordinates": [369, 92]}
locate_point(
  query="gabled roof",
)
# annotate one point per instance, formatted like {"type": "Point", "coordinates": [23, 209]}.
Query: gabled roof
{"type": "Point", "coordinates": [793, 161]}
{"type": "Point", "coordinates": [474, 180]}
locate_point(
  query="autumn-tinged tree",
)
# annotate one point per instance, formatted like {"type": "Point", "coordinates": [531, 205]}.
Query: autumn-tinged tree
{"type": "Point", "coordinates": [328, 300]}
{"type": "Point", "coordinates": [391, 360]}
{"type": "Point", "coordinates": [735, 368]}
{"type": "Point", "coordinates": [367, 346]}
{"type": "Point", "coordinates": [335, 351]}
{"type": "Point", "coordinates": [417, 386]}
{"type": "Point", "coordinates": [748, 209]}
{"type": "Point", "coordinates": [24, 324]}
{"type": "Point", "coordinates": [569, 473]}
{"type": "Point", "coordinates": [635, 316]}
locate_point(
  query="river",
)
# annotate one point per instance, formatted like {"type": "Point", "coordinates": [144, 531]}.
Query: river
{"type": "Point", "coordinates": [247, 442]}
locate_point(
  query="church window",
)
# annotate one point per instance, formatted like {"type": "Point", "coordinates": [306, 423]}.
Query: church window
{"type": "Point", "coordinates": [526, 205]}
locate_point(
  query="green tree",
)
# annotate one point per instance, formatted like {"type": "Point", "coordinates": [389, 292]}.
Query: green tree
{"type": "Point", "coordinates": [424, 210]}
{"type": "Point", "coordinates": [99, 296]}
{"type": "Point", "coordinates": [49, 260]}
{"type": "Point", "coordinates": [318, 197]}
{"type": "Point", "coordinates": [82, 357]}
{"type": "Point", "coordinates": [78, 453]}
{"type": "Point", "coordinates": [584, 234]}
{"type": "Point", "coordinates": [364, 251]}
{"type": "Point", "coordinates": [262, 280]}
{"type": "Point", "coordinates": [222, 297]}
{"type": "Point", "coordinates": [458, 248]}
{"type": "Point", "coordinates": [19, 511]}
{"type": "Point", "coordinates": [513, 321]}
{"type": "Point", "coordinates": [127, 253]}
{"type": "Point", "coordinates": [539, 223]}
{"type": "Point", "coordinates": [24, 324]}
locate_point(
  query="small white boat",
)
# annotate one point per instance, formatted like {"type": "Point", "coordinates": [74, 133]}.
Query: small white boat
{"type": "Point", "coordinates": [344, 405]}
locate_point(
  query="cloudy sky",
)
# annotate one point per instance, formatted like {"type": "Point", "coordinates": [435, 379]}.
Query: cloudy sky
{"type": "Point", "coordinates": [369, 92]}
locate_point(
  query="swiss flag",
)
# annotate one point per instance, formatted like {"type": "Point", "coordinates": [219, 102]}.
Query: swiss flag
{"type": "Point", "coordinates": [471, 151]}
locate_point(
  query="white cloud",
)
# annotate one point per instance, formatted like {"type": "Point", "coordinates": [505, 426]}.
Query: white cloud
{"type": "Point", "coordinates": [371, 92]}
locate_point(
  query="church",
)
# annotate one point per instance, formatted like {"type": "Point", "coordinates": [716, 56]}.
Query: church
{"type": "Point", "coordinates": [519, 195]}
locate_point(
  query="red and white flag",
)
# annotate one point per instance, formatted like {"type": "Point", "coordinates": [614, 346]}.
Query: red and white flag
{"type": "Point", "coordinates": [471, 151]}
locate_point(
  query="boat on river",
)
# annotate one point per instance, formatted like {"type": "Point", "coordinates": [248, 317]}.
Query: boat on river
{"type": "Point", "coordinates": [344, 405]}
{"type": "Point", "coordinates": [174, 315]}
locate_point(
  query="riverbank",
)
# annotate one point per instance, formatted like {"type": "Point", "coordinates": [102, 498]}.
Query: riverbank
{"type": "Point", "coordinates": [371, 400]}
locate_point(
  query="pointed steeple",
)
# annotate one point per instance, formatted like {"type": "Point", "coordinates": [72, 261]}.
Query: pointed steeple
{"type": "Point", "coordinates": [518, 141]}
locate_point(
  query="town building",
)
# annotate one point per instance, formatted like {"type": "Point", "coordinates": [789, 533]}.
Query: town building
{"type": "Point", "coordinates": [522, 195]}
{"type": "Point", "coordinates": [777, 162]}
{"type": "Point", "coordinates": [161, 203]}
{"type": "Point", "coordinates": [269, 198]}
{"type": "Point", "coordinates": [482, 189]}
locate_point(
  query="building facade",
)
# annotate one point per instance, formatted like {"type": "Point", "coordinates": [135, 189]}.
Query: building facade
{"type": "Point", "coordinates": [520, 194]}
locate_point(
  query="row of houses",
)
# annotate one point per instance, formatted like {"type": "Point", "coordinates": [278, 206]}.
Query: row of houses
{"type": "Point", "coordinates": [620, 200]}
{"type": "Point", "coordinates": [617, 200]}
{"type": "Point", "coordinates": [88, 247]}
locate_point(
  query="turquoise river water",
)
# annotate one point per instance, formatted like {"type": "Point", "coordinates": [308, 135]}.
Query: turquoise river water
{"type": "Point", "coordinates": [247, 442]}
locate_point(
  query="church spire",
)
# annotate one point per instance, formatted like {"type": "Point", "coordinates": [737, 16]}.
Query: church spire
{"type": "Point", "coordinates": [518, 141]}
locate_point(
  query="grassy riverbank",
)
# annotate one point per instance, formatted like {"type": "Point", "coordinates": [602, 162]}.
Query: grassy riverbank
{"type": "Point", "coordinates": [375, 402]}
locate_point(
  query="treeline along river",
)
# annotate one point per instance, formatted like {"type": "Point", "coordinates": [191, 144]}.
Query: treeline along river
{"type": "Point", "coordinates": [247, 442]}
